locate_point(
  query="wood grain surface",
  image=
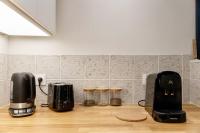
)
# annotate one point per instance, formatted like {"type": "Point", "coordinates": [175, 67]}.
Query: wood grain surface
{"type": "Point", "coordinates": [94, 120]}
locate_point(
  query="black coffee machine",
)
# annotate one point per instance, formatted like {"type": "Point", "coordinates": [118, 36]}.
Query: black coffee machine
{"type": "Point", "coordinates": [164, 97]}
{"type": "Point", "coordinates": [60, 97]}
{"type": "Point", "coordinates": [22, 94]}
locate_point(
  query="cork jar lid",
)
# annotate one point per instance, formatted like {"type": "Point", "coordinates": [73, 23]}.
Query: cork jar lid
{"type": "Point", "coordinates": [89, 89]}
{"type": "Point", "coordinates": [115, 89]}
{"type": "Point", "coordinates": [102, 89]}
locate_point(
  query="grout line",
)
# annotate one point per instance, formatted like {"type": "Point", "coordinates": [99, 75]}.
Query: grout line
{"type": "Point", "coordinates": [99, 79]}
{"type": "Point", "coordinates": [196, 79]}
{"type": "Point", "coordinates": [7, 68]}
{"type": "Point", "coordinates": [85, 66]}
{"type": "Point", "coordinates": [189, 81]}
{"type": "Point", "coordinates": [182, 77]}
{"type": "Point", "coordinates": [190, 74]}
{"type": "Point", "coordinates": [182, 66]}
{"type": "Point", "coordinates": [35, 64]}
{"type": "Point", "coordinates": [158, 58]}
{"type": "Point", "coordinates": [109, 69]}
{"type": "Point", "coordinates": [83, 79]}
{"type": "Point", "coordinates": [60, 65]}
{"type": "Point", "coordinates": [133, 83]}
{"type": "Point", "coordinates": [188, 78]}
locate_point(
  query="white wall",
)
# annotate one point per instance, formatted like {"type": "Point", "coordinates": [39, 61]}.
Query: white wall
{"type": "Point", "coordinates": [3, 44]}
{"type": "Point", "coordinates": [116, 27]}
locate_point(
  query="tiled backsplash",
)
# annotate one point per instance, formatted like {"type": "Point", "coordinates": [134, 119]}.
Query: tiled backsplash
{"type": "Point", "coordinates": [195, 82]}
{"type": "Point", "coordinates": [124, 71]}
{"type": "Point", "coordinates": [4, 91]}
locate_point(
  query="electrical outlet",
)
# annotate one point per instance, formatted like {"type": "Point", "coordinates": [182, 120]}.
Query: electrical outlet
{"type": "Point", "coordinates": [43, 76]}
{"type": "Point", "coordinates": [144, 78]}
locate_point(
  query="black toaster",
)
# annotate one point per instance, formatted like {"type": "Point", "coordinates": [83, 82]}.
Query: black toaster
{"type": "Point", "coordinates": [60, 97]}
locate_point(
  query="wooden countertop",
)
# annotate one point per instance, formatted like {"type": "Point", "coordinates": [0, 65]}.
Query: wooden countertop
{"type": "Point", "coordinates": [94, 120]}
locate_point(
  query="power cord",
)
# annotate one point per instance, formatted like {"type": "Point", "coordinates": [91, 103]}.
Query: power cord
{"type": "Point", "coordinates": [44, 105]}
{"type": "Point", "coordinates": [40, 81]}
{"type": "Point", "coordinates": [139, 103]}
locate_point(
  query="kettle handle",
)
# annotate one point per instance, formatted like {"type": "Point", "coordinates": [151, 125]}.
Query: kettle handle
{"type": "Point", "coordinates": [32, 86]}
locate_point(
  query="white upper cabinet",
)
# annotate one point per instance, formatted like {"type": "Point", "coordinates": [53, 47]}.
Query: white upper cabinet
{"type": "Point", "coordinates": [42, 11]}
{"type": "Point", "coordinates": [46, 13]}
{"type": "Point", "coordinates": [29, 6]}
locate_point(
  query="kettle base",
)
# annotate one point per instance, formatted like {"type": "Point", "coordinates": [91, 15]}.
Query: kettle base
{"type": "Point", "coordinates": [22, 112]}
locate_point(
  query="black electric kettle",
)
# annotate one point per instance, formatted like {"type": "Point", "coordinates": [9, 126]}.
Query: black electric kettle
{"type": "Point", "coordinates": [22, 94]}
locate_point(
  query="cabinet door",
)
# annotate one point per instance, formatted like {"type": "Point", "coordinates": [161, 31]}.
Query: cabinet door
{"type": "Point", "coordinates": [46, 12]}
{"type": "Point", "coordinates": [43, 11]}
{"type": "Point", "coordinates": [198, 27]}
{"type": "Point", "coordinates": [28, 6]}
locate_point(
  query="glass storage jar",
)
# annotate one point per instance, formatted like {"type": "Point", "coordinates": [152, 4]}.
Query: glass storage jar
{"type": "Point", "coordinates": [115, 97]}
{"type": "Point", "coordinates": [103, 96]}
{"type": "Point", "coordinates": [89, 97]}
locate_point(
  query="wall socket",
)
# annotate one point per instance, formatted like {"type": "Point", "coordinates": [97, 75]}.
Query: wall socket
{"type": "Point", "coordinates": [43, 76]}
{"type": "Point", "coordinates": [144, 79]}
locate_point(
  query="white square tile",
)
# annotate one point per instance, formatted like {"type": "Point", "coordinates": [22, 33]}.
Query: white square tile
{"type": "Point", "coordinates": [20, 63]}
{"type": "Point", "coordinates": [3, 67]}
{"type": "Point", "coordinates": [194, 92]}
{"type": "Point", "coordinates": [73, 67]}
{"type": "Point", "coordinates": [49, 65]}
{"type": "Point", "coordinates": [194, 70]}
{"type": "Point", "coordinates": [97, 67]}
{"type": "Point", "coordinates": [170, 63]}
{"type": "Point", "coordinates": [145, 65]}
{"type": "Point", "coordinates": [186, 66]}
{"type": "Point", "coordinates": [185, 91]}
{"type": "Point", "coordinates": [122, 67]}
{"type": "Point", "coordinates": [4, 93]}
